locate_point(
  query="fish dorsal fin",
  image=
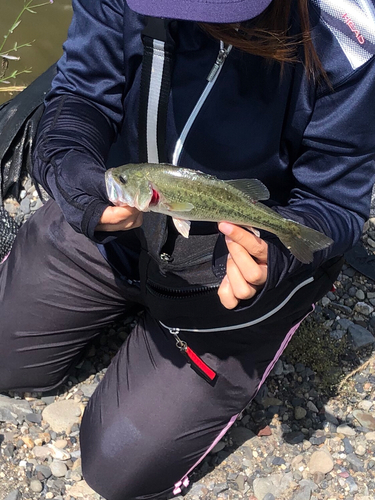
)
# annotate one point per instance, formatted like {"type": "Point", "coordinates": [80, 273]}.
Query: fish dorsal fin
{"type": "Point", "coordinates": [253, 188]}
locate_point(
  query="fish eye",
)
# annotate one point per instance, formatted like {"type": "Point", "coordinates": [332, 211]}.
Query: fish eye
{"type": "Point", "coordinates": [123, 179]}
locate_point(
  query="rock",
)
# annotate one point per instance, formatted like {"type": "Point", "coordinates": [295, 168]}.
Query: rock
{"type": "Point", "coordinates": [268, 401]}
{"type": "Point", "coordinates": [57, 453]}
{"type": "Point", "coordinates": [44, 470]}
{"type": "Point", "coordinates": [41, 452]}
{"type": "Point", "coordinates": [360, 450]}
{"type": "Point", "coordinates": [240, 435]}
{"type": "Point", "coordinates": [218, 447]}
{"type": "Point", "coordinates": [365, 419]}
{"type": "Point", "coordinates": [58, 469]}
{"type": "Point", "coordinates": [294, 437]}
{"type": "Point", "coordinates": [25, 206]}
{"type": "Point", "coordinates": [13, 495]}
{"type": "Point", "coordinates": [370, 436]}
{"type": "Point", "coordinates": [36, 486]}
{"type": "Point", "coordinates": [363, 308]}
{"type": "Point", "coordinates": [360, 294]}
{"type": "Point", "coordinates": [330, 417]}
{"type": "Point", "coordinates": [81, 490]}
{"type": "Point", "coordinates": [266, 431]}
{"type": "Point", "coordinates": [299, 413]}
{"type": "Point", "coordinates": [310, 406]}
{"type": "Point", "coordinates": [303, 493]}
{"type": "Point", "coordinates": [278, 368]}
{"type": "Point", "coordinates": [264, 486]}
{"type": "Point", "coordinates": [61, 415]}
{"type": "Point", "coordinates": [61, 443]}
{"type": "Point", "coordinates": [355, 462]}
{"type": "Point", "coordinates": [320, 461]}
{"type": "Point", "coordinates": [360, 336]}
{"type": "Point", "coordinates": [7, 416]}
{"type": "Point", "coordinates": [88, 389]}
{"type": "Point", "coordinates": [275, 485]}
{"type": "Point", "coordinates": [35, 418]}
{"type": "Point", "coordinates": [365, 405]}
{"type": "Point", "coordinates": [346, 430]}
{"type": "Point", "coordinates": [18, 407]}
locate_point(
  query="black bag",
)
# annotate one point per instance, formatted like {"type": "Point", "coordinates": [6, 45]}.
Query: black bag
{"type": "Point", "coordinates": [19, 118]}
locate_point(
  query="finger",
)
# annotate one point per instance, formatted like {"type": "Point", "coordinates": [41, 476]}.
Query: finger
{"type": "Point", "coordinates": [241, 288]}
{"type": "Point", "coordinates": [255, 246]}
{"type": "Point", "coordinates": [226, 295]}
{"type": "Point", "coordinates": [119, 219]}
{"type": "Point", "coordinates": [252, 271]}
{"type": "Point", "coordinates": [115, 215]}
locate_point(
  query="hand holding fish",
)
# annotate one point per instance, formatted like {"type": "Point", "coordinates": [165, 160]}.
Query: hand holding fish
{"type": "Point", "coordinates": [246, 265]}
{"type": "Point", "coordinates": [119, 219]}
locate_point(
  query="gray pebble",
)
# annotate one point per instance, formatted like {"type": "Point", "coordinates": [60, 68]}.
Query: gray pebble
{"type": "Point", "coordinates": [13, 495]}
{"type": "Point", "coordinates": [269, 496]}
{"type": "Point", "coordinates": [58, 469]}
{"type": "Point", "coordinates": [355, 462]}
{"type": "Point", "coordinates": [35, 418]}
{"type": "Point", "coordinates": [44, 470]}
{"type": "Point", "coordinates": [360, 294]}
{"type": "Point", "coordinates": [360, 336]}
{"type": "Point", "coordinates": [25, 206]}
{"type": "Point", "coordinates": [347, 446]}
{"type": "Point", "coordinates": [36, 486]}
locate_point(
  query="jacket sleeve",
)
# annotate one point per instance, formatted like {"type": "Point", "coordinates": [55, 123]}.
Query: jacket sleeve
{"type": "Point", "coordinates": [335, 170]}
{"type": "Point", "coordinates": [83, 113]}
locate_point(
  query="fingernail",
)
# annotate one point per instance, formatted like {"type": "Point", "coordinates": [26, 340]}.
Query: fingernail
{"type": "Point", "coordinates": [225, 228]}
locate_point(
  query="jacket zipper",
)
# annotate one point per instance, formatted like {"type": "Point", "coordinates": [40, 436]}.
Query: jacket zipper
{"type": "Point", "coordinates": [211, 79]}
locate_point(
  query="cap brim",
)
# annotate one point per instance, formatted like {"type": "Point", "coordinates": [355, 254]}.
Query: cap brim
{"type": "Point", "coordinates": [208, 11]}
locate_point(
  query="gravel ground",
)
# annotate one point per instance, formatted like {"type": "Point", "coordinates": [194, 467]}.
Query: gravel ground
{"type": "Point", "coordinates": [309, 434]}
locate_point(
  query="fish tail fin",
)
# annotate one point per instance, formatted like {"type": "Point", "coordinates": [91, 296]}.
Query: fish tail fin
{"type": "Point", "coordinates": [303, 241]}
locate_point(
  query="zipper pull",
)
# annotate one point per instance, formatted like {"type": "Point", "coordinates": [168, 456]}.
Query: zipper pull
{"type": "Point", "coordinates": [195, 362]}
{"type": "Point", "coordinates": [223, 52]}
{"type": "Point", "coordinates": [180, 344]}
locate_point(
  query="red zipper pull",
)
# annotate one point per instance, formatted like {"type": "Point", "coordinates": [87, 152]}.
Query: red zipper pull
{"type": "Point", "coordinates": [196, 363]}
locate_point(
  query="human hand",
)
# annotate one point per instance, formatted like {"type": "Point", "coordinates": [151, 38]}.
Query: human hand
{"type": "Point", "coordinates": [119, 219]}
{"type": "Point", "coordinates": [246, 265]}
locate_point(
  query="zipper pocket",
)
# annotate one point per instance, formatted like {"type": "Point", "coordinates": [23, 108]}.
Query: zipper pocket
{"type": "Point", "coordinates": [178, 293]}
{"type": "Point", "coordinates": [249, 323]}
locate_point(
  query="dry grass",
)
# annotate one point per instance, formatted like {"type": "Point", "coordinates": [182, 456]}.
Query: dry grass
{"type": "Point", "coordinates": [14, 88]}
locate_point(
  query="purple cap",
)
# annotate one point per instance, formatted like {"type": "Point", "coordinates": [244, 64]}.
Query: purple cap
{"type": "Point", "coordinates": [209, 11]}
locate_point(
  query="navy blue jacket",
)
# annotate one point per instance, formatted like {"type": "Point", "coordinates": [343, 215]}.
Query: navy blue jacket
{"type": "Point", "coordinates": [311, 145]}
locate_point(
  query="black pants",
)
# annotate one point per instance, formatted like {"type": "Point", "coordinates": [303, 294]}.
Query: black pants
{"type": "Point", "coordinates": [152, 419]}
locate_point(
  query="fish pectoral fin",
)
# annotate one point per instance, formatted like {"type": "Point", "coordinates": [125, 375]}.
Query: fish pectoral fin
{"type": "Point", "coordinates": [179, 207]}
{"type": "Point", "coordinates": [182, 226]}
{"type": "Point", "coordinates": [253, 188]}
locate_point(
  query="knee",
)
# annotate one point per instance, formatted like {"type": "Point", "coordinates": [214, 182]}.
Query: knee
{"type": "Point", "coordinates": [119, 464]}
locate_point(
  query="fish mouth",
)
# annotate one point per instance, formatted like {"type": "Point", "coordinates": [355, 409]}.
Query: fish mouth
{"type": "Point", "coordinates": [114, 191]}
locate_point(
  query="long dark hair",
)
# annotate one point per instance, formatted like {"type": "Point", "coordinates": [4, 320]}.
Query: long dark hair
{"type": "Point", "coordinates": [269, 36]}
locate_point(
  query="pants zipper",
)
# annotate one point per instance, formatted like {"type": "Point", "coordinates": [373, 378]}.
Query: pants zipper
{"type": "Point", "coordinates": [196, 363]}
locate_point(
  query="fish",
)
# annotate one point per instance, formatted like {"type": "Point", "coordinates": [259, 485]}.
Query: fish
{"type": "Point", "coordinates": [190, 195]}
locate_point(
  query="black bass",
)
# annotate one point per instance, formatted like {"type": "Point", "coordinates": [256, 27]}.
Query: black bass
{"type": "Point", "coordinates": [189, 195]}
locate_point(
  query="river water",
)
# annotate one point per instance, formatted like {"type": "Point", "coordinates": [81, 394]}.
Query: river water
{"type": "Point", "coordinates": [46, 29]}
